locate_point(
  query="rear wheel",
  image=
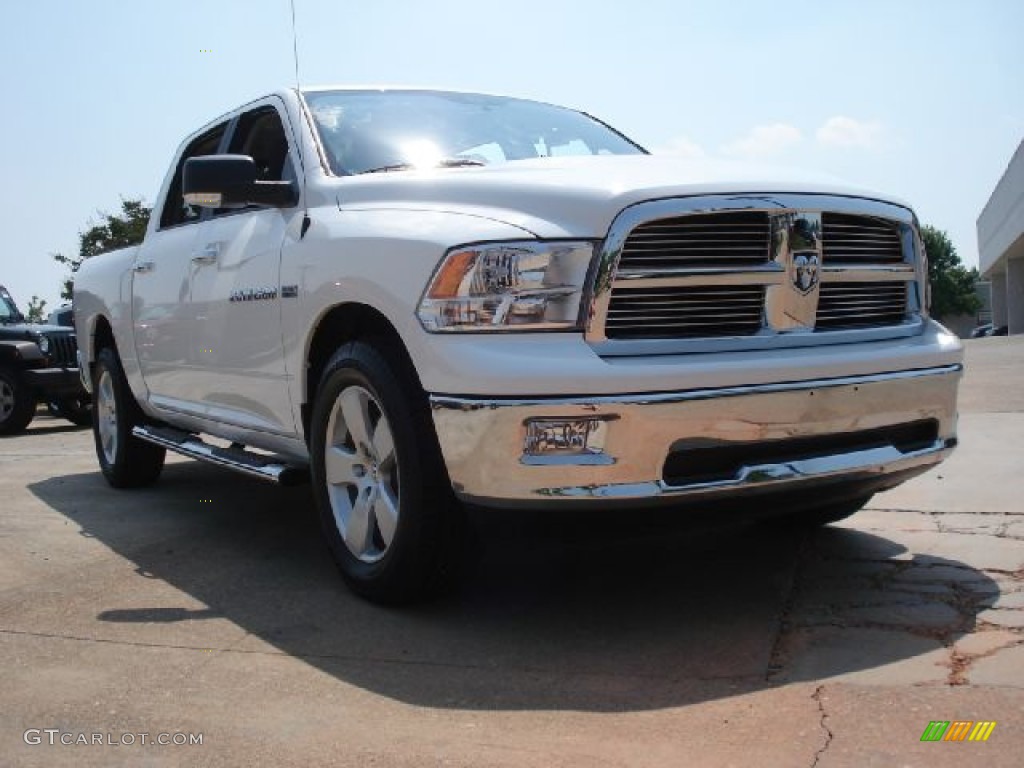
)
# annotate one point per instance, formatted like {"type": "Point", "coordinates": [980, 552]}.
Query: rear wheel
{"type": "Point", "coordinates": [384, 500]}
{"type": "Point", "coordinates": [77, 410]}
{"type": "Point", "coordinates": [17, 403]}
{"type": "Point", "coordinates": [126, 461]}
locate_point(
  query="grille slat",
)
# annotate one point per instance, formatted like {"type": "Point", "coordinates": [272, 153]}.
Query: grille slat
{"type": "Point", "coordinates": [846, 237]}
{"type": "Point", "coordinates": [62, 350]}
{"type": "Point", "coordinates": [735, 237]}
{"type": "Point", "coordinates": [684, 312]}
{"type": "Point", "coordinates": [852, 305]}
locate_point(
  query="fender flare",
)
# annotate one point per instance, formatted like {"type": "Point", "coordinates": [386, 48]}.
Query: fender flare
{"type": "Point", "coordinates": [18, 352]}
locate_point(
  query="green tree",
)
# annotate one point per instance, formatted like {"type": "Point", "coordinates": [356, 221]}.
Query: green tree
{"type": "Point", "coordinates": [112, 231]}
{"type": "Point", "coordinates": [951, 282]}
{"type": "Point", "coordinates": [36, 308]}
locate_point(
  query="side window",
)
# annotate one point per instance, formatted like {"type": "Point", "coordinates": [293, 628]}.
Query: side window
{"type": "Point", "coordinates": [175, 210]}
{"type": "Point", "coordinates": [261, 135]}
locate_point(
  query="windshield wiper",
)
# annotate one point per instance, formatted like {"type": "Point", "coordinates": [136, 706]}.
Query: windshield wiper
{"type": "Point", "coordinates": [448, 162]}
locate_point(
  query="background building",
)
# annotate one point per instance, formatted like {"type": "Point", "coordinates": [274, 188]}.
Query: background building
{"type": "Point", "coordinates": [1001, 245]}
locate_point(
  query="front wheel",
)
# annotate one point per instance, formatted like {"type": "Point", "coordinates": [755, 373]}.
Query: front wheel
{"type": "Point", "coordinates": [384, 500]}
{"type": "Point", "coordinates": [17, 403]}
{"type": "Point", "coordinates": [125, 461]}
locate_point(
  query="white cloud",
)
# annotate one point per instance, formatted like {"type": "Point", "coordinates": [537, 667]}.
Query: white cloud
{"type": "Point", "coordinates": [680, 146]}
{"type": "Point", "coordinates": [846, 132]}
{"type": "Point", "coordinates": [765, 141]}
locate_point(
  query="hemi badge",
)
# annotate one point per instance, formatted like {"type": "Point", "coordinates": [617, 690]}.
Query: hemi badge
{"type": "Point", "coordinates": [289, 291]}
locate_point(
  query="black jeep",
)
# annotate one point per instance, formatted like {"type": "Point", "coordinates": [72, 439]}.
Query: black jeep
{"type": "Point", "coordinates": [38, 363]}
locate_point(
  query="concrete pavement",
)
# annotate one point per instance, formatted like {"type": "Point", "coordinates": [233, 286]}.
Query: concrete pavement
{"type": "Point", "coordinates": [208, 605]}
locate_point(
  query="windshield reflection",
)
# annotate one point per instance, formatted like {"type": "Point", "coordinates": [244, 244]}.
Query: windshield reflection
{"type": "Point", "coordinates": [363, 131]}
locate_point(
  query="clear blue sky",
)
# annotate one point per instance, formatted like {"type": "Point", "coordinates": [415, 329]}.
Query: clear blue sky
{"type": "Point", "coordinates": [921, 99]}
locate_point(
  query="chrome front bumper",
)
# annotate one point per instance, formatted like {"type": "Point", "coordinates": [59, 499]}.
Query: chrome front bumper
{"type": "Point", "coordinates": [486, 442]}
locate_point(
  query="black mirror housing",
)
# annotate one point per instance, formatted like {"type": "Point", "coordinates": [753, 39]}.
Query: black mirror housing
{"type": "Point", "coordinates": [229, 181]}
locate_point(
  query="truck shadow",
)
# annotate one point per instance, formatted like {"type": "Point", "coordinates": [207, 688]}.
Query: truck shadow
{"type": "Point", "coordinates": [616, 615]}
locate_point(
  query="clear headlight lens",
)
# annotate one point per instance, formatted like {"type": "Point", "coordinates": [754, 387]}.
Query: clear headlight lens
{"type": "Point", "coordinates": [44, 345]}
{"type": "Point", "coordinates": [508, 286]}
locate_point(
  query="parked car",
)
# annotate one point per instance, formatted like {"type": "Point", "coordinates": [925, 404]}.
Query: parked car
{"type": "Point", "coordinates": [423, 298]}
{"type": "Point", "coordinates": [62, 315]}
{"type": "Point", "coordinates": [989, 329]}
{"type": "Point", "coordinates": [38, 363]}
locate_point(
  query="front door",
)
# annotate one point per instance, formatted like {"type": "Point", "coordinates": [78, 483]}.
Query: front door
{"type": "Point", "coordinates": [236, 291]}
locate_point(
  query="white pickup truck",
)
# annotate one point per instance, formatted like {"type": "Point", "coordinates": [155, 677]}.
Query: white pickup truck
{"type": "Point", "coordinates": [419, 299]}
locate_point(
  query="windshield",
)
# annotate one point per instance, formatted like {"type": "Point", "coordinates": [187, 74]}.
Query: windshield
{"type": "Point", "coordinates": [363, 131]}
{"type": "Point", "coordinates": [8, 309]}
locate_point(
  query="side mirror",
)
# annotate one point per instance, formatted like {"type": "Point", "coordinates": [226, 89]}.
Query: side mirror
{"type": "Point", "coordinates": [229, 181]}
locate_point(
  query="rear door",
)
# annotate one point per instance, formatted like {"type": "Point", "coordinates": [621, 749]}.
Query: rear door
{"type": "Point", "coordinates": [164, 323]}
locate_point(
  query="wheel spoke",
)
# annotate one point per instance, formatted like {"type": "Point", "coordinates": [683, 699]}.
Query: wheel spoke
{"type": "Point", "coordinates": [358, 532]}
{"type": "Point", "coordinates": [106, 416]}
{"type": "Point", "coordinates": [384, 444]}
{"type": "Point", "coordinates": [360, 471]}
{"type": "Point", "coordinates": [355, 409]}
{"type": "Point", "coordinates": [339, 465]}
{"type": "Point", "coordinates": [385, 510]}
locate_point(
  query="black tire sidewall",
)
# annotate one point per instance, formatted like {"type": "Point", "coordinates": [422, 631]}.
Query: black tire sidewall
{"type": "Point", "coordinates": [24, 404]}
{"type": "Point", "coordinates": [399, 575]}
{"type": "Point", "coordinates": [135, 463]}
{"type": "Point", "coordinates": [77, 410]}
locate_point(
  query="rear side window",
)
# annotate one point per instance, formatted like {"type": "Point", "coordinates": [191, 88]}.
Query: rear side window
{"type": "Point", "coordinates": [175, 210]}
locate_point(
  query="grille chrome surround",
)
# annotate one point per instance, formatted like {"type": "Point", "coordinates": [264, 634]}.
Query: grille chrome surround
{"type": "Point", "coordinates": [815, 259]}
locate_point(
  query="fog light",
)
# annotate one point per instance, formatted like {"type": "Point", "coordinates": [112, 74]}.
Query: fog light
{"type": "Point", "coordinates": [567, 441]}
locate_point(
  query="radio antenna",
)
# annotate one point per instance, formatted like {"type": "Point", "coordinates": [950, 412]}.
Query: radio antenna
{"type": "Point", "coordinates": [298, 95]}
{"type": "Point", "coordinates": [295, 47]}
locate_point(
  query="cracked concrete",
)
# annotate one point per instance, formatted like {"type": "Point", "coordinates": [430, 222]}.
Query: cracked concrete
{"type": "Point", "coordinates": [727, 645]}
{"type": "Point", "coordinates": [823, 723]}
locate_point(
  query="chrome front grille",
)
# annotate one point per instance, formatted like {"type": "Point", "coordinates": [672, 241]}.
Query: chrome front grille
{"type": "Point", "coordinates": [847, 238]}
{"type": "Point", "coordinates": [746, 272]}
{"type": "Point", "coordinates": [861, 305]}
{"type": "Point", "coordinates": [685, 312]}
{"type": "Point", "coordinates": [735, 238]}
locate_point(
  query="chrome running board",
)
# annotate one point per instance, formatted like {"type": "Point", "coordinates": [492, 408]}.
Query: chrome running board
{"type": "Point", "coordinates": [267, 467]}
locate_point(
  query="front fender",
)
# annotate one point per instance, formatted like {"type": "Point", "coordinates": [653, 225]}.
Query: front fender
{"type": "Point", "coordinates": [383, 258]}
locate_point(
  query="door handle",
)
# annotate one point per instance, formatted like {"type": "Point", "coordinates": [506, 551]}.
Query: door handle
{"type": "Point", "coordinates": [144, 266]}
{"type": "Point", "coordinates": [208, 255]}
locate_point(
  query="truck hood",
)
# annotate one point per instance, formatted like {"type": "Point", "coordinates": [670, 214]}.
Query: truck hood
{"type": "Point", "coordinates": [577, 196]}
{"type": "Point", "coordinates": [31, 331]}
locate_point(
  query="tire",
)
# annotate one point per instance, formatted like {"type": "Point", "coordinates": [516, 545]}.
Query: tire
{"type": "Point", "coordinates": [384, 499]}
{"type": "Point", "coordinates": [17, 403]}
{"type": "Point", "coordinates": [77, 410]}
{"type": "Point", "coordinates": [815, 517]}
{"type": "Point", "coordinates": [125, 461]}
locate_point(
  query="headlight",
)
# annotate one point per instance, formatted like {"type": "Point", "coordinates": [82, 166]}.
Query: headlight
{"type": "Point", "coordinates": [508, 286]}
{"type": "Point", "coordinates": [44, 344]}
